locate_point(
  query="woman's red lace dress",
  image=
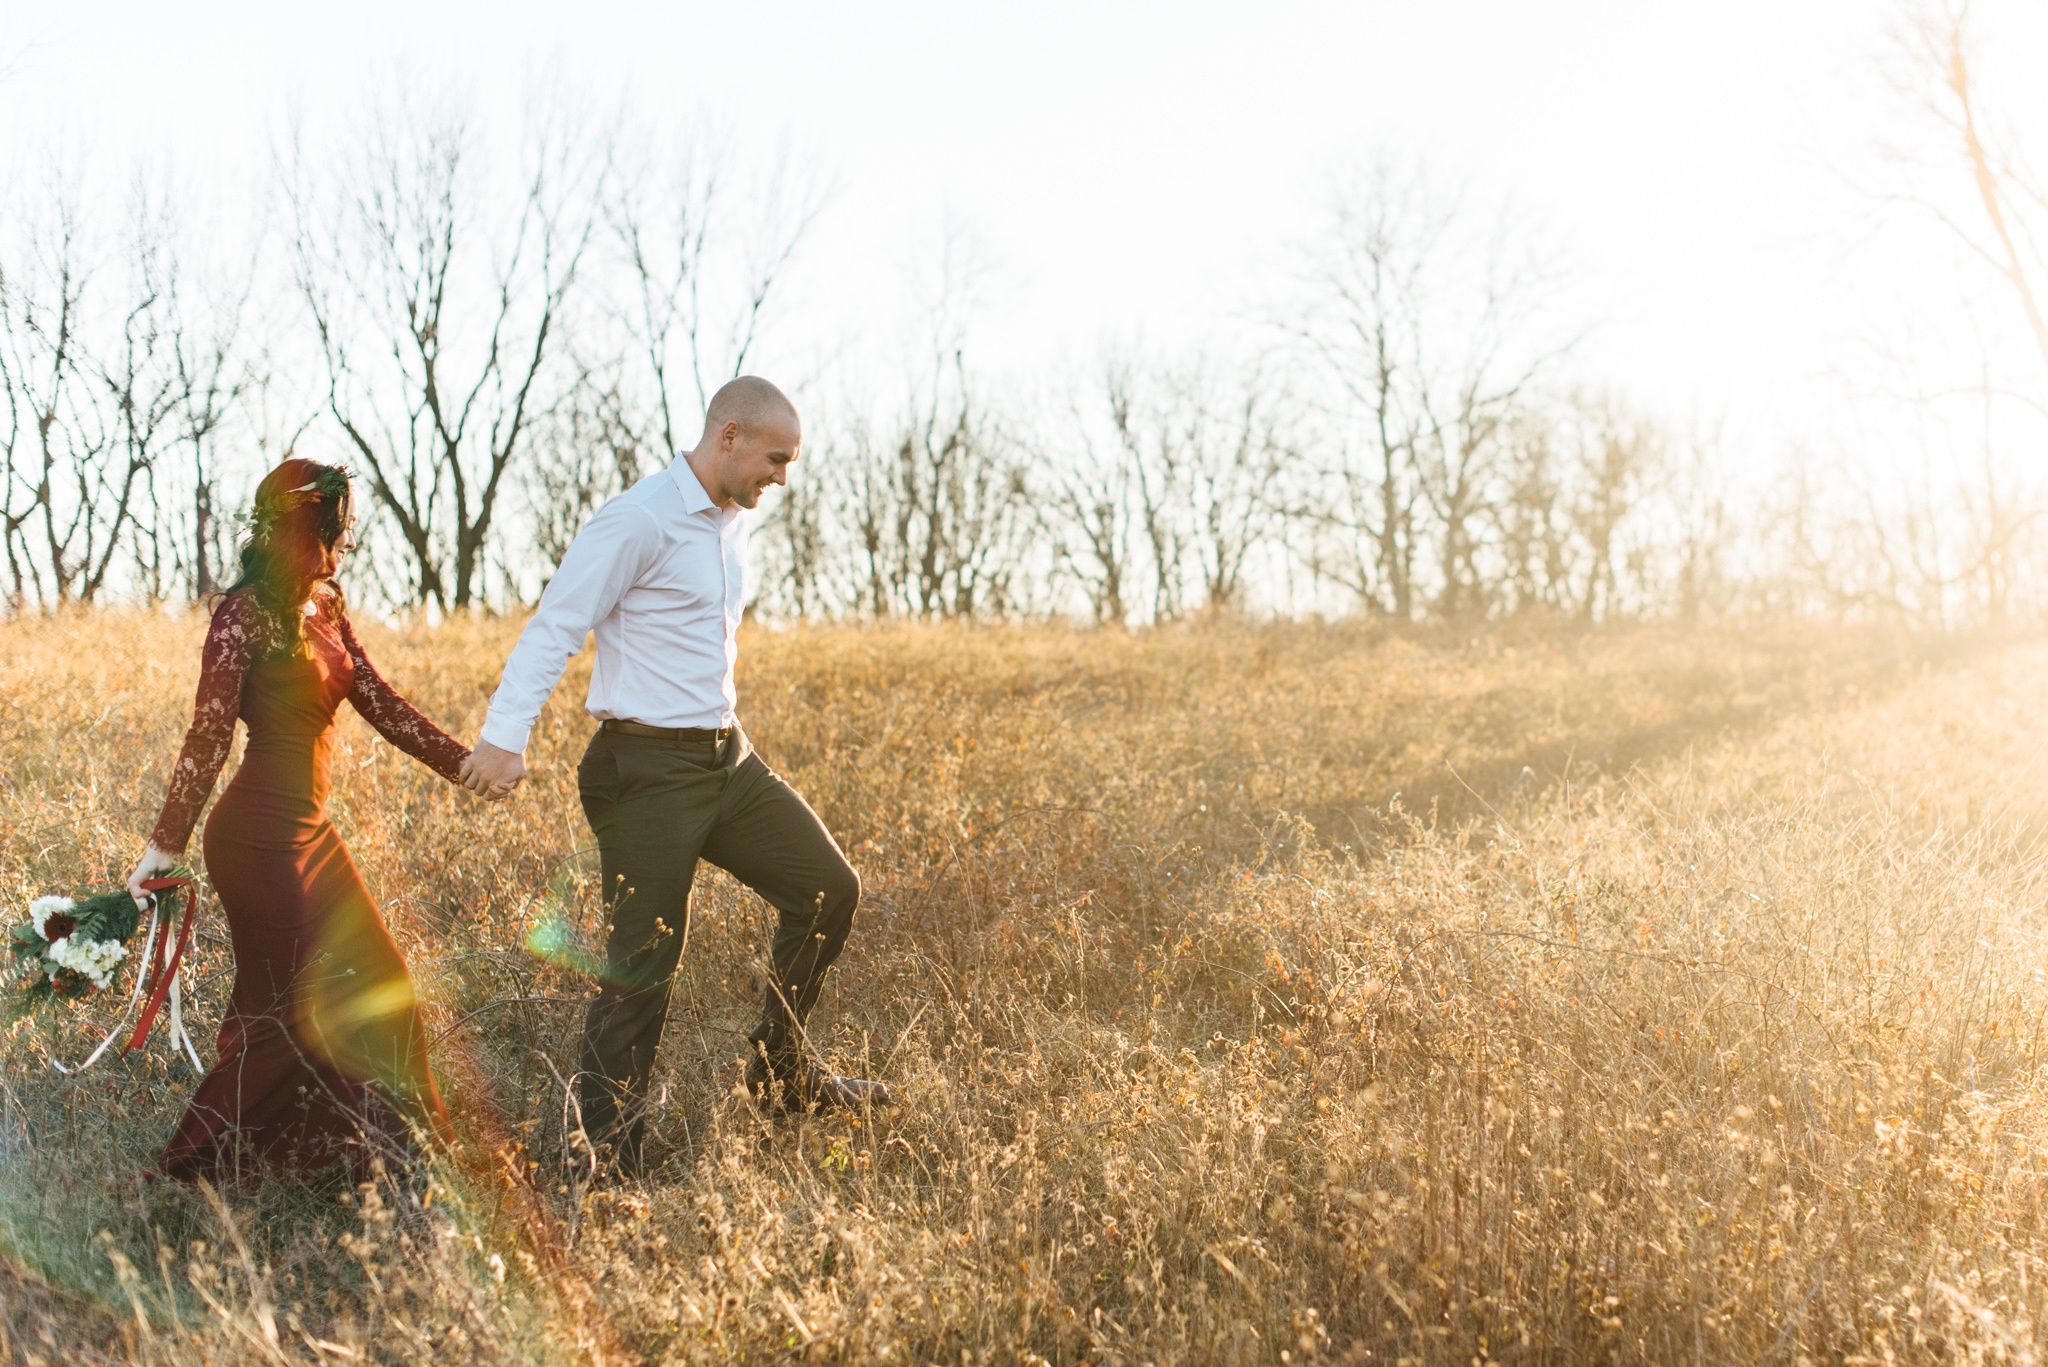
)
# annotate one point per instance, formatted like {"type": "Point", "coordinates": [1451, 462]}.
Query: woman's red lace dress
{"type": "Point", "coordinates": [323, 1039]}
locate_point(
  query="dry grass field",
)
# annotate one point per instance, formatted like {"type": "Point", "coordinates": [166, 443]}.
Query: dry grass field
{"type": "Point", "coordinates": [1270, 994]}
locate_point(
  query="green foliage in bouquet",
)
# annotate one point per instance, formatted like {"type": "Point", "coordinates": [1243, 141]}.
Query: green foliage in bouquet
{"type": "Point", "coordinates": [71, 947]}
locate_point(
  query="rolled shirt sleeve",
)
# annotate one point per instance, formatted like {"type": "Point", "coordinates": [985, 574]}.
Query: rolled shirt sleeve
{"type": "Point", "coordinates": [612, 551]}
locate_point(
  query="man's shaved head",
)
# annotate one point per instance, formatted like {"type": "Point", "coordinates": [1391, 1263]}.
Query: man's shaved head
{"type": "Point", "coordinates": [751, 402]}
{"type": "Point", "coordinates": [752, 435]}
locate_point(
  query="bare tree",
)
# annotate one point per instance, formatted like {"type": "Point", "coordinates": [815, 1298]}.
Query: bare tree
{"type": "Point", "coordinates": [1940, 44]}
{"type": "Point", "coordinates": [1701, 530]}
{"type": "Point", "coordinates": [1854, 547]}
{"type": "Point", "coordinates": [436, 316]}
{"type": "Point", "coordinates": [1430, 340]}
{"type": "Point", "coordinates": [699, 257]}
{"type": "Point", "coordinates": [58, 436]}
{"type": "Point", "coordinates": [90, 387]}
{"type": "Point", "coordinates": [1532, 520]}
{"type": "Point", "coordinates": [583, 452]}
{"type": "Point", "coordinates": [1579, 515]}
{"type": "Point", "coordinates": [1998, 513]}
{"type": "Point", "coordinates": [1154, 462]}
{"type": "Point", "coordinates": [215, 375]}
{"type": "Point", "coordinates": [686, 265]}
{"type": "Point", "coordinates": [1619, 454]}
{"type": "Point", "coordinates": [938, 516]}
{"type": "Point", "coordinates": [1935, 535]}
{"type": "Point", "coordinates": [1363, 329]}
{"type": "Point", "coordinates": [1491, 381]}
{"type": "Point", "coordinates": [20, 490]}
{"type": "Point", "coordinates": [1089, 519]}
{"type": "Point", "coordinates": [879, 524]}
{"type": "Point", "coordinates": [796, 577]}
{"type": "Point", "coordinates": [1195, 481]}
{"type": "Point", "coordinates": [963, 491]}
{"type": "Point", "coordinates": [143, 387]}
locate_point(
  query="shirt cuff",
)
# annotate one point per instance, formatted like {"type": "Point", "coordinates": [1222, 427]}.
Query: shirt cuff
{"type": "Point", "coordinates": [506, 735]}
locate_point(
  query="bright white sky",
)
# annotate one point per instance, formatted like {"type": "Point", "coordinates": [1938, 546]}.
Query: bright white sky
{"type": "Point", "coordinates": [1140, 172]}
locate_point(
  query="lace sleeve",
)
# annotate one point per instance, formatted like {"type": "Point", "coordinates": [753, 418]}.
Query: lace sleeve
{"type": "Point", "coordinates": [397, 720]}
{"type": "Point", "coordinates": [223, 663]}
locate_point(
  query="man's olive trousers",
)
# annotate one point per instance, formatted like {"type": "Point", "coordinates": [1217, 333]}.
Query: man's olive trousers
{"type": "Point", "coordinates": [657, 807]}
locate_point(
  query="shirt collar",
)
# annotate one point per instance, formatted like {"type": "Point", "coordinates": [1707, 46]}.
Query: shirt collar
{"type": "Point", "coordinates": [695, 500]}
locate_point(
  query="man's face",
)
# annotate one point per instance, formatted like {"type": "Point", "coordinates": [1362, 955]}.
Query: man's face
{"type": "Point", "coordinates": [761, 457]}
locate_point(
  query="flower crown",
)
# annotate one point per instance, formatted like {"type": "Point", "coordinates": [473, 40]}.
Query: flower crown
{"type": "Point", "coordinates": [330, 484]}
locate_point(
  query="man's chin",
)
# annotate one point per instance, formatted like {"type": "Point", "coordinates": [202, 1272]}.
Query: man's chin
{"type": "Point", "coordinates": [748, 499]}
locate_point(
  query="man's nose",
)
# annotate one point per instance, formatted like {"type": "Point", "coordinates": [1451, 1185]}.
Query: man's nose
{"type": "Point", "coordinates": [782, 474]}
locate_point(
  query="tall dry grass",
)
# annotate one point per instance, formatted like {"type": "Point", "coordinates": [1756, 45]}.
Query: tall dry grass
{"type": "Point", "coordinates": [1252, 995]}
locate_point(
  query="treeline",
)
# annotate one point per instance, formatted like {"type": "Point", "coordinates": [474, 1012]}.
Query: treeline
{"type": "Point", "coordinates": [495, 342]}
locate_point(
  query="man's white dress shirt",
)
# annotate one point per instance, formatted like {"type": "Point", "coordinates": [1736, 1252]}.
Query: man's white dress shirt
{"type": "Point", "coordinates": [659, 574]}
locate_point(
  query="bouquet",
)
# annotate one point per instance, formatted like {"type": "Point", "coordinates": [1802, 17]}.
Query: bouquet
{"type": "Point", "coordinates": [74, 947]}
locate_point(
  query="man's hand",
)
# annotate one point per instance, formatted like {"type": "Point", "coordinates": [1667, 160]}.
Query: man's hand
{"type": "Point", "coordinates": [153, 863]}
{"type": "Point", "coordinates": [492, 773]}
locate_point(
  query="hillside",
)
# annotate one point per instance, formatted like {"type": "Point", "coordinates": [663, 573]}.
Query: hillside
{"type": "Point", "coordinates": [1252, 994]}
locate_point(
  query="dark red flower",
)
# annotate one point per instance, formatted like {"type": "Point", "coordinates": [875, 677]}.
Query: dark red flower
{"type": "Point", "coordinates": [58, 926]}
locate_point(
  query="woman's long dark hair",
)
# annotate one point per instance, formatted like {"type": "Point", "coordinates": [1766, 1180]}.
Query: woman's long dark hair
{"type": "Point", "coordinates": [302, 511]}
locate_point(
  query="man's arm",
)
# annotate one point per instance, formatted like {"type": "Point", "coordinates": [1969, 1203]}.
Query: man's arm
{"type": "Point", "coordinates": [614, 549]}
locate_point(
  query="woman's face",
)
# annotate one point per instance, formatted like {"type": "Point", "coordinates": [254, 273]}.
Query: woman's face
{"type": "Point", "coordinates": [343, 544]}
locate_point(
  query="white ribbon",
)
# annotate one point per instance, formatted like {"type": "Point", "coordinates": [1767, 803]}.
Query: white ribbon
{"type": "Point", "coordinates": [179, 1038]}
{"type": "Point", "coordinates": [141, 976]}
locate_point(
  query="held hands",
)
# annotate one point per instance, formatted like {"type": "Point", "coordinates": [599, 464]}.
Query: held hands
{"type": "Point", "coordinates": [492, 773]}
{"type": "Point", "coordinates": [154, 862]}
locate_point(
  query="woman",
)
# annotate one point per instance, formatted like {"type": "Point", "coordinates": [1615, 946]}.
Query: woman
{"type": "Point", "coordinates": [322, 1048]}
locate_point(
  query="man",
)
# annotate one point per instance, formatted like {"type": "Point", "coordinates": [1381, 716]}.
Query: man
{"type": "Point", "coordinates": [669, 776]}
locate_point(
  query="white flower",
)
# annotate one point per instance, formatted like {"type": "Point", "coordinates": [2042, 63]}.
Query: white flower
{"type": "Point", "coordinates": [94, 959]}
{"type": "Point", "coordinates": [43, 908]}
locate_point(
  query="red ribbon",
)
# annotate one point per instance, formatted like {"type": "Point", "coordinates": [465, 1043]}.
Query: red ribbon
{"type": "Point", "coordinates": [165, 972]}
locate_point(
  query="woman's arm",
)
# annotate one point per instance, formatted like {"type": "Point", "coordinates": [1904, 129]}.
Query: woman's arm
{"type": "Point", "coordinates": [223, 663]}
{"type": "Point", "coordinates": [397, 720]}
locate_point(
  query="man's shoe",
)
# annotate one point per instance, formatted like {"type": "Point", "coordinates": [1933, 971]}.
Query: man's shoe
{"type": "Point", "coordinates": [809, 1088]}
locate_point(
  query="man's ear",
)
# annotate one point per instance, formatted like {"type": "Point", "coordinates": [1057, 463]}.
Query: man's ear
{"type": "Point", "coordinates": [729, 435]}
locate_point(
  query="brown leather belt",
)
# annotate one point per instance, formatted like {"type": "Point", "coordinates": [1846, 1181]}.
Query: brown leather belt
{"type": "Point", "coordinates": [718, 734]}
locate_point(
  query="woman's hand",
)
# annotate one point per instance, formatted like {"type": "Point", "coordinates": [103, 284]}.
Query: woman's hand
{"type": "Point", "coordinates": [154, 863]}
{"type": "Point", "coordinates": [492, 773]}
{"type": "Point", "coordinates": [496, 792]}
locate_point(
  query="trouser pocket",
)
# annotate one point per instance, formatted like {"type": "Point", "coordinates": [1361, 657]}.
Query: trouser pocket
{"type": "Point", "coordinates": [597, 778]}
